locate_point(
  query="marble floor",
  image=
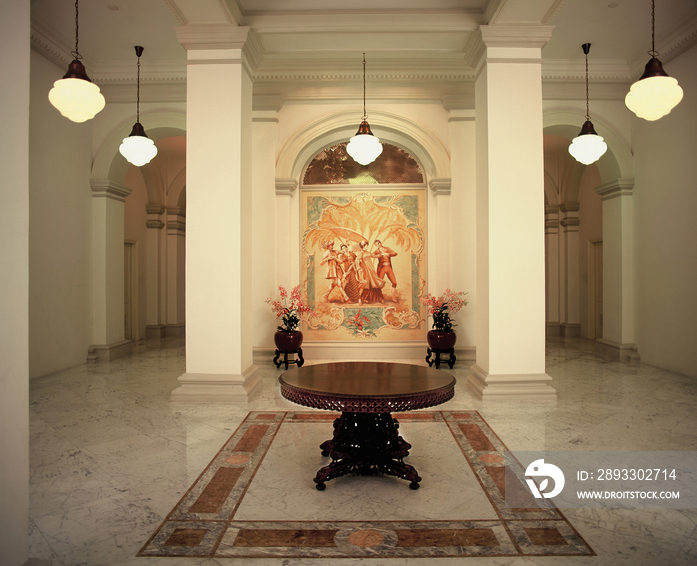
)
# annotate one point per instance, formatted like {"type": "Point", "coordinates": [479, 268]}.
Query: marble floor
{"type": "Point", "coordinates": [111, 456]}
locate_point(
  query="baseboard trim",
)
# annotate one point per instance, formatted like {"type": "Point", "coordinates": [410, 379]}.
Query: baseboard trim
{"type": "Point", "coordinates": [109, 352]}
{"type": "Point", "coordinates": [616, 351]}
{"type": "Point", "coordinates": [533, 386]}
{"type": "Point", "coordinates": [216, 387]}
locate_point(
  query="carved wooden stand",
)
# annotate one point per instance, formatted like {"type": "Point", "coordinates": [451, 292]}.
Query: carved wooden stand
{"type": "Point", "coordinates": [450, 361]}
{"type": "Point", "coordinates": [366, 444]}
{"type": "Point", "coordinates": [299, 360]}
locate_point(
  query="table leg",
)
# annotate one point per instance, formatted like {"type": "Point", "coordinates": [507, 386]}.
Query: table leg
{"type": "Point", "coordinates": [366, 444]}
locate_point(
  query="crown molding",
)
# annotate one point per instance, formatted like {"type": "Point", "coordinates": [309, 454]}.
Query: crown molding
{"type": "Point", "coordinates": [672, 43]}
{"type": "Point", "coordinates": [212, 36]}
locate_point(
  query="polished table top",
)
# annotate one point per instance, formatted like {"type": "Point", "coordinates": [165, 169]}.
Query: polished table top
{"type": "Point", "coordinates": [367, 387]}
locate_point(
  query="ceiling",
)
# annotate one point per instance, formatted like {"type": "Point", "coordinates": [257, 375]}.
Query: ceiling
{"type": "Point", "coordinates": [302, 40]}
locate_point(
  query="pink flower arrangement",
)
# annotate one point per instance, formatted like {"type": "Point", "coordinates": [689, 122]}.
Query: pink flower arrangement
{"type": "Point", "coordinates": [290, 308]}
{"type": "Point", "coordinates": [441, 308]}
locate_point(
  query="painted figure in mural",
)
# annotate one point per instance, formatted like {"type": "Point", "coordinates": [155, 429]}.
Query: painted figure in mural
{"type": "Point", "coordinates": [383, 255]}
{"type": "Point", "coordinates": [330, 258]}
{"type": "Point", "coordinates": [349, 279]}
{"type": "Point", "coordinates": [371, 285]}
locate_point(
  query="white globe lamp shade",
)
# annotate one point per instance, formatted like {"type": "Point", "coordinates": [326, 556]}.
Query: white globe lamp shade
{"type": "Point", "coordinates": [137, 148]}
{"type": "Point", "coordinates": [655, 94]}
{"type": "Point", "coordinates": [364, 147]}
{"type": "Point", "coordinates": [588, 147]}
{"type": "Point", "coordinates": [75, 96]}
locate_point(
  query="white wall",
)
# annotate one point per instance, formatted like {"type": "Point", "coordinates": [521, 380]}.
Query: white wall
{"type": "Point", "coordinates": [135, 230]}
{"type": "Point", "coordinates": [590, 229]}
{"type": "Point", "coordinates": [60, 230]}
{"type": "Point", "coordinates": [665, 195]}
{"type": "Point", "coordinates": [14, 231]}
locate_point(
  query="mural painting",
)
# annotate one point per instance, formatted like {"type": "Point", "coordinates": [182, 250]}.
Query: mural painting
{"type": "Point", "coordinates": [363, 259]}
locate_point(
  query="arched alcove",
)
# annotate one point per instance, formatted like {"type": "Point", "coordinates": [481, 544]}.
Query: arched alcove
{"type": "Point", "coordinates": [330, 130]}
{"type": "Point", "coordinates": [615, 163]}
{"type": "Point", "coordinates": [110, 164]}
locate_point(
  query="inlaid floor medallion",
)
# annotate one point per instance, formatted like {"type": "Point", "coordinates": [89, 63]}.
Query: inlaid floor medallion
{"type": "Point", "coordinates": [257, 498]}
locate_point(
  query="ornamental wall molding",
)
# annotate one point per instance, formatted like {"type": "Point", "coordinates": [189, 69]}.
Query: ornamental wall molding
{"type": "Point", "coordinates": [397, 130]}
{"type": "Point", "coordinates": [440, 187]}
{"type": "Point", "coordinates": [286, 187]}
{"type": "Point", "coordinates": [615, 189]}
{"type": "Point", "coordinates": [103, 188]}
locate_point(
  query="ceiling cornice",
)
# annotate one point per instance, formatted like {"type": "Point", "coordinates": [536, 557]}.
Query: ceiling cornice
{"type": "Point", "coordinates": [670, 44]}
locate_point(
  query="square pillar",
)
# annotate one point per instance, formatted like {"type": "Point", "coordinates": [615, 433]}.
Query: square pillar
{"type": "Point", "coordinates": [510, 216]}
{"type": "Point", "coordinates": [176, 265]}
{"type": "Point", "coordinates": [219, 364]}
{"type": "Point", "coordinates": [155, 327]}
{"type": "Point", "coordinates": [618, 266]}
{"type": "Point", "coordinates": [552, 271]}
{"type": "Point", "coordinates": [463, 226]}
{"type": "Point", "coordinates": [108, 337]}
{"type": "Point", "coordinates": [570, 319]}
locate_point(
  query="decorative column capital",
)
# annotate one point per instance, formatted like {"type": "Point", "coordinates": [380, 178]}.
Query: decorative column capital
{"type": "Point", "coordinates": [154, 212]}
{"type": "Point", "coordinates": [569, 222]}
{"type": "Point", "coordinates": [616, 188]}
{"type": "Point", "coordinates": [208, 43]}
{"type": "Point", "coordinates": [570, 217]}
{"type": "Point", "coordinates": [154, 209]}
{"type": "Point", "coordinates": [176, 220]}
{"type": "Point", "coordinates": [440, 187]}
{"type": "Point", "coordinates": [109, 189]}
{"type": "Point", "coordinates": [570, 207]}
{"type": "Point", "coordinates": [212, 36]}
{"type": "Point", "coordinates": [551, 219]}
{"type": "Point", "coordinates": [286, 187]}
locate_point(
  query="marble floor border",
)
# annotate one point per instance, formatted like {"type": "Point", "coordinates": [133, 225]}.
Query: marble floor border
{"type": "Point", "coordinates": [203, 523]}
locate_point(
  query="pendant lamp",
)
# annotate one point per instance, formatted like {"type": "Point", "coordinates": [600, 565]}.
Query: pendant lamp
{"type": "Point", "coordinates": [588, 147]}
{"type": "Point", "coordinates": [655, 94]}
{"type": "Point", "coordinates": [137, 148]}
{"type": "Point", "coordinates": [364, 147]}
{"type": "Point", "coordinates": [75, 96]}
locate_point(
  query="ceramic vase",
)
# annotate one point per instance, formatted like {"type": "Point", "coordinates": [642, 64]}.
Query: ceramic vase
{"type": "Point", "coordinates": [288, 341]}
{"type": "Point", "coordinates": [441, 340]}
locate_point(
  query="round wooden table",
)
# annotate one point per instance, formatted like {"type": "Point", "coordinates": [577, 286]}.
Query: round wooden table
{"type": "Point", "coordinates": [366, 439]}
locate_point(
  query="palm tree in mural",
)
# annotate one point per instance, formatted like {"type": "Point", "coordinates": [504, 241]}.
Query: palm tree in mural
{"type": "Point", "coordinates": [358, 224]}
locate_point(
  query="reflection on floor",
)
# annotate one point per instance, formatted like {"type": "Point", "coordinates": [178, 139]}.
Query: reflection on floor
{"type": "Point", "coordinates": [111, 456]}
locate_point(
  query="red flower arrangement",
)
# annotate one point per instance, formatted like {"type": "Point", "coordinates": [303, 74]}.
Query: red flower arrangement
{"type": "Point", "coordinates": [290, 309]}
{"type": "Point", "coordinates": [440, 308]}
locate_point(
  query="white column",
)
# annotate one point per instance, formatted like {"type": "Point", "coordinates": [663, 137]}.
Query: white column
{"type": "Point", "coordinates": [463, 225]}
{"type": "Point", "coordinates": [155, 327]}
{"type": "Point", "coordinates": [286, 230]}
{"type": "Point", "coordinates": [510, 216]}
{"type": "Point", "coordinates": [108, 341]}
{"type": "Point", "coordinates": [264, 274]}
{"type": "Point", "coordinates": [570, 319]}
{"type": "Point", "coordinates": [219, 364]}
{"type": "Point", "coordinates": [618, 266]}
{"type": "Point", "coordinates": [176, 265]}
{"type": "Point", "coordinates": [552, 276]}
{"type": "Point", "coordinates": [15, 30]}
{"type": "Point", "coordinates": [439, 217]}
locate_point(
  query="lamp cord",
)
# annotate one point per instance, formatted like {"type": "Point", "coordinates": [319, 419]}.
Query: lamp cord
{"type": "Point", "coordinates": [76, 53]}
{"type": "Point", "coordinates": [138, 94]}
{"type": "Point", "coordinates": [365, 115]}
{"type": "Point", "coordinates": [653, 52]}
{"type": "Point", "coordinates": [588, 116]}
